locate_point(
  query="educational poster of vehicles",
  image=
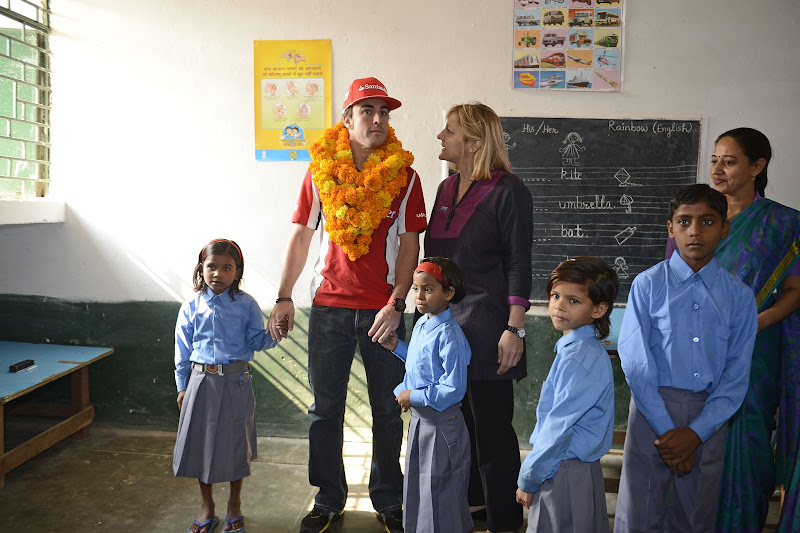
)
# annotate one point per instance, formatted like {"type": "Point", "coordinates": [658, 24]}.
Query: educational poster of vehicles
{"type": "Point", "coordinates": [568, 44]}
{"type": "Point", "coordinates": [292, 97]}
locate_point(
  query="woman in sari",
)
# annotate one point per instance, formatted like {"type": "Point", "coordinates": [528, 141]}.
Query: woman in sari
{"type": "Point", "coordinates": [762, 248]}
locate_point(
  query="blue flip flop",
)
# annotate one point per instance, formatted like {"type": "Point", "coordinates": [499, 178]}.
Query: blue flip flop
{"type": "Point", "coordinates": [231, 522]}
{"type": "Point", "coordinates": [211, 523]}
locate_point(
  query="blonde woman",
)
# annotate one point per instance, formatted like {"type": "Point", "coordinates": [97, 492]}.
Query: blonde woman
{"type": "Point", "coordinates": [482, 220]}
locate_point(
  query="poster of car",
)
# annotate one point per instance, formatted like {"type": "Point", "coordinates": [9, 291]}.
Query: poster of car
{"type": "Point", "coordinates": [568, 44]}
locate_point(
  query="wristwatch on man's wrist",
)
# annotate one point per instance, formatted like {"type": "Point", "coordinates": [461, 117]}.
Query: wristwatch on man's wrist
{"type": "Point", "coordinates": [519, 332]}
{"type": "Point", "coordinates": [398, 303]}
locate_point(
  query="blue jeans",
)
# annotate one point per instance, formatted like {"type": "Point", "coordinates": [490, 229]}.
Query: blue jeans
{"type": "Point", "coordinates": [333, 335]}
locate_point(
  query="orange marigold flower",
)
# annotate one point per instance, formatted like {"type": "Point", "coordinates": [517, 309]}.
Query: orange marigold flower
{"type": "Point", "coordinates": [355, 203]}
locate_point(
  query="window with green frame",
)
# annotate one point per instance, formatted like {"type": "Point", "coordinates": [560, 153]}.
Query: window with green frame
{"type": "Point", "coordinates": [24, 98]}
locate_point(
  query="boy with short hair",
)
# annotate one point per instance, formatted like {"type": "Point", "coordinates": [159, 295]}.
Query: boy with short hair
{"type": "Point", "coordinates": [685, 345]}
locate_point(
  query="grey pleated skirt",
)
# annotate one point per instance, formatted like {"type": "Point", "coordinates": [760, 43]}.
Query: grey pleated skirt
{"type": "Point", "coordinates": [572, 501]}
{"type": "Point", "coordinates": [437, 472]}
{"type": "Point", "coordinates": [217, 428]}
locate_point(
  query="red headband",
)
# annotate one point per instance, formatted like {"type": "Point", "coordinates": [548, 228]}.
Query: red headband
{"type": "Point", "coordinates": [241, 259]}
{"type": "Point", "coordinates": [434, 270]}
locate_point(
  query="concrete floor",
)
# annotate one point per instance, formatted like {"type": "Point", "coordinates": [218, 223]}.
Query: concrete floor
{"type": "Point", "coordinates": [121, 480]}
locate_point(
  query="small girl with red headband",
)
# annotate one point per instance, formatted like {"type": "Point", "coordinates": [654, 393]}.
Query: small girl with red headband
{"type": "Point", "coordinates": [216, 335]}
{"type": "Point", "coordinates": [438, 449]}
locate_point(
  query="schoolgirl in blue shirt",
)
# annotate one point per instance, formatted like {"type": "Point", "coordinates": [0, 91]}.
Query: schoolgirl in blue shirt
{"type": "Point", "coordinates": [438, 448]}
{"type": "Point", "coordinates": [561, 481]}
{"type": "Point", "coordinates": [216, 335]}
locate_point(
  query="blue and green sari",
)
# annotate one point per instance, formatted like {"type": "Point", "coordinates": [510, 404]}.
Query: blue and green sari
{"type": "Point", "coordinates": [762, 247]}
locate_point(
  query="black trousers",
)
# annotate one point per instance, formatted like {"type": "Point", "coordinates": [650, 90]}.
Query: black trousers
{"type": "Point", "coordinates": [488, 410]}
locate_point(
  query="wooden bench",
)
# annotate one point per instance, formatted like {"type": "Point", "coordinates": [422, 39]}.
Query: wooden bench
{"type": "Point", "coordinates": [52, 362]}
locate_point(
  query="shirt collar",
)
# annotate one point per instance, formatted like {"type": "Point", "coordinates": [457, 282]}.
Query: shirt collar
{"type": "Point", "coordinates": [583, 332]}
{"type": "Point", "coordinates": [684, 272]}
{"type": "Point", "coordinates": [435, 320]}
{"type": "Point", "coordinates": [209, 295]}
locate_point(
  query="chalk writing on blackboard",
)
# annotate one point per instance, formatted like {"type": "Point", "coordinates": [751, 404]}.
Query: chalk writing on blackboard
{"type": "Point", "coordinates": [601, 187]}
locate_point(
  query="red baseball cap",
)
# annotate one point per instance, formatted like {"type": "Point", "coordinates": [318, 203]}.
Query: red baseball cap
{"type": "Point", "coordinates": [364, 88]}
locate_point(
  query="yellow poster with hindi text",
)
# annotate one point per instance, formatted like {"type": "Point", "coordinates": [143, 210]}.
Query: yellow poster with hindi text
{"type": "Point", "coordinates": [292, 104]}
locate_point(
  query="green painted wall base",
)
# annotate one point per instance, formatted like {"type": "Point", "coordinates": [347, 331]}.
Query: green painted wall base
{"type": "Point", "coordinates": [135, 387]}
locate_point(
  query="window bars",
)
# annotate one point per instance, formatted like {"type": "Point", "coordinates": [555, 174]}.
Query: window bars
{"type": "Point", "coordinates": [25, 97]}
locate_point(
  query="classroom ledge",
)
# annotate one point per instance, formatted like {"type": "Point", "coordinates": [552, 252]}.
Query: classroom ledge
{"type": "Point", "coordinates": [33, 211]}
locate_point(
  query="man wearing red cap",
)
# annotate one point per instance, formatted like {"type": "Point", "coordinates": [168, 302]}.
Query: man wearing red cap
{"type": "Point", "coordinates": [362, 194]}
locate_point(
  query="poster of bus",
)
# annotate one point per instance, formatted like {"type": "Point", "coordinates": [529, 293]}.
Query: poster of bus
{"type": "Point", "coordinates": [568, 44]}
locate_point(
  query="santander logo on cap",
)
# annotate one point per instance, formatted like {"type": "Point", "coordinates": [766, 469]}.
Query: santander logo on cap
{"type": "Point", "coordinates": [378, 87]}
{"type": "Point", "coordinates": [364, 88]}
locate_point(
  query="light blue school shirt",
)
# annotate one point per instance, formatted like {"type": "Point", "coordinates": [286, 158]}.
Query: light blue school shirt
{"type": "Point", "coordinates": [436, 362]}
{"type": "Point", "coordinates": [575, 415]}
{"type": "Point", "coordinates": [692, 331]}
{"type": "Point", "coordinates": [214, 329]}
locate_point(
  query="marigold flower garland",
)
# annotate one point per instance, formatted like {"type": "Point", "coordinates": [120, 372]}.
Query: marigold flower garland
{"type": "Point", "coordinates": [355, 203]}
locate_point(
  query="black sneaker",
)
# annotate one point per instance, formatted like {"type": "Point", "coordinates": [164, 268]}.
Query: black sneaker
{"type": "Point", "coordinates": [392, 521]}
{"type": "Point", "coordinates": [318, 520]}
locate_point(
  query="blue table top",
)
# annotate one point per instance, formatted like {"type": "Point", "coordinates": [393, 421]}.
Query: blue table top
{"type": "Point", "coordinates": [51, 361]}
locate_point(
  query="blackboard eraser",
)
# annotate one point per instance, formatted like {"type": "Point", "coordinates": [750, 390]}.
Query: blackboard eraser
{"type": "Point", "coordinates": [22, 365]}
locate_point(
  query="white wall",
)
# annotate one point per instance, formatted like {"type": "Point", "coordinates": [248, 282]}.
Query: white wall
{"type": "Point", "coordinates": [153, 117]}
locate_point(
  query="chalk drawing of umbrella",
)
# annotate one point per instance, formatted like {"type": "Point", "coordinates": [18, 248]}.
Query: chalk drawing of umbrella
{"type": "Point", "coordinates": [626, 202]}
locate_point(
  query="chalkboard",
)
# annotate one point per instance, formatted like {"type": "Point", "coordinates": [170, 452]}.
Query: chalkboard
{"type": "Point", "coordinates": [601, 187]}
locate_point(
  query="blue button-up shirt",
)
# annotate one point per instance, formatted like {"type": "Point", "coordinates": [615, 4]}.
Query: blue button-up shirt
{"type": "Point", "coordinates": [692, 331]}
{"type": "Point", "coordinates": [575, 415]}
{"type": "Point", "coordinates": [214, 329]}
{"type": "Point", "coordinates": [436, 362]}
